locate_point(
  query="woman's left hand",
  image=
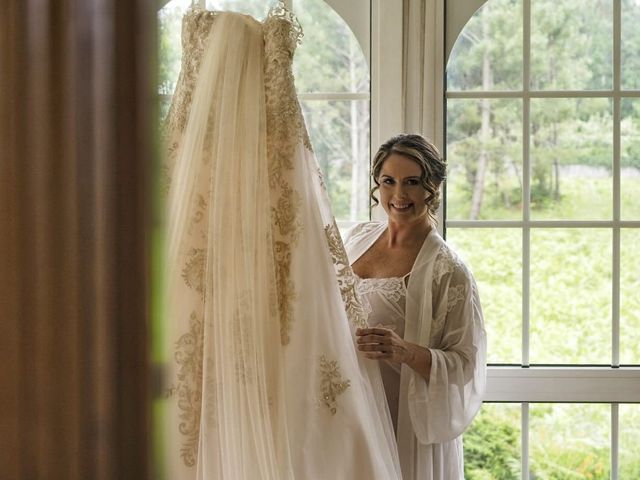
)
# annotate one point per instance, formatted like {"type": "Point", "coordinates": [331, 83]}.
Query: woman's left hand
{"type": "Point", "coordinates": [383, 344]}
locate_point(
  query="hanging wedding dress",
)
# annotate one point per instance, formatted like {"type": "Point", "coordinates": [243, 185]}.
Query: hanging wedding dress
{"type": "Point", "coordinates": [261, 300]}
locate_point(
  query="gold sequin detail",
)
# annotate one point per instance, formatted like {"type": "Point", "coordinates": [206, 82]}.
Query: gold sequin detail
{"type": "Point", "coordinates": [331, 383]}
{"type": "Point", "coordinates": [346, 278]}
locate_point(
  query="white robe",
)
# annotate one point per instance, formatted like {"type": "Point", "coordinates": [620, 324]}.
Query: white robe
{"type": "Point", "coordinates": [443, 313]}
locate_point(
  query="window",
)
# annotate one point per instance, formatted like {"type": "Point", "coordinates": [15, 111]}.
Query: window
{"type": "Point", "coordinates": [542, 127]}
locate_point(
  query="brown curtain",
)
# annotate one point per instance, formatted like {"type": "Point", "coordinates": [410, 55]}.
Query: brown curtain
{"type": "Point", "coordinates": [76, 111]}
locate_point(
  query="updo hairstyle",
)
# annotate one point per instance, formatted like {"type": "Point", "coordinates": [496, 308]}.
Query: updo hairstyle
{"type": "Point", "coordinates": [426, 155]}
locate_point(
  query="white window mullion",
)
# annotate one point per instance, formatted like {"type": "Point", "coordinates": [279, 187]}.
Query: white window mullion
{"type": "Point", "coordinates": [524, 440]}
{"type": "Point", "coordinates": [615, 287]}
{"type": "Point", "coordinates": [526, 287]}
{"type": "Point", "coordinates": [617, 41]}
{"type": "Point", "coordinates": [615, 295]}
{"type": "Point", "coordinates": [526, 180]}
{"type": "Point", "coordinates": [614, 441]}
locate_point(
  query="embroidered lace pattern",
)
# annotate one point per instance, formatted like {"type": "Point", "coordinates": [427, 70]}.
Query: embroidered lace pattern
{"type": "Point", "coordinates": [331, 384]}
{"type": "Point", "coordinates": [285, 131]}
{"type": "Point", "coordinates": [446, 262]}
{"type": "Point", "coordinates": [392, 288]}
{"type": "Point", "coordinates": [455, 295]}
{"type": "Point", "coordinates": [188, 357]}
{"type": "Point", "coordinates": [193, 271]}
{"type": "Point", "coordinates": [389, 296]}
{"type": "Point", "coordinates": [346, 278]}
{"type": "Point", "coordinates": [196, 26]}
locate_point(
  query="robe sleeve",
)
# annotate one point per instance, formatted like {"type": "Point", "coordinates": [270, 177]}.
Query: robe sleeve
{"type": "Point", "coordinates": [442, 408]}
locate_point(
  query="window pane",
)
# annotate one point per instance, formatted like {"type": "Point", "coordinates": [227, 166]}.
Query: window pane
{"type": "Point", "coordinates": [570, 296]}
{"type": "Point", "coordinates": [488, 53]}
{"type": "Point", "coordinates": [630, 158]}
{"type": "Point", "coordinates": [571, 159]}
{"type": "Point", "coordinates": [339, 132]}
{"type": "Point", "coordinates": [494, 257]}
{"type": "Point", "coordinates": [484, 154]}
{"type": "Point", "coordinates": [571, 44]}
{"type": "Point", "coordinates": [330, 58]}
{"type": "Point", "coordinates": [492, 446]}
{"type": "Point", "coordinates": [570, 441]}
{"type": "Point", "coordinates": [630, 47]}
{"type": "Point", "coordinates": [169, 48]}
{"type": "Point", "coordinates": [629, 445]}
{"type": "Point", "coordinates": [629, 296]}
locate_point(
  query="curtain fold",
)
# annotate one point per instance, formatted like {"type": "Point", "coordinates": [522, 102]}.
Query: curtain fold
{"type": "Point", "coordinates": [423, 68]}
{"type": "Point", "coordinates": [76, 149]}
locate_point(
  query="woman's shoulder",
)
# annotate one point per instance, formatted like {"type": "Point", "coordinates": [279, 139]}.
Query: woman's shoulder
{"type": "Point", "coordinates": [448, 263]}
{"type": "Point", "coordinates": [361, 230]}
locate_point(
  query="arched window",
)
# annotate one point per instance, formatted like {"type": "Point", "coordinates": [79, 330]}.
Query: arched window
{"type": "Point", "coordinates": [543, 132]}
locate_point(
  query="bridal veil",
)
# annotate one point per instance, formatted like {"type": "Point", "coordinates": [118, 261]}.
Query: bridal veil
{"type": "Point", "coordinates": [265, 379]}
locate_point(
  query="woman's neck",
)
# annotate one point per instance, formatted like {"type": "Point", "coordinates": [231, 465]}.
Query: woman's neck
{"type": "Point", "coordinates": [400, 235]}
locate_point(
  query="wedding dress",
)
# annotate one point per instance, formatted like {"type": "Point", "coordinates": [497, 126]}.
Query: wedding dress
{"type": "Point", "coordinates": [261, 300]}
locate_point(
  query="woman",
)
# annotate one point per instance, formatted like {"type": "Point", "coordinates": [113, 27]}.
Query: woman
{"type": "Point", "coordinates": [425, 320]}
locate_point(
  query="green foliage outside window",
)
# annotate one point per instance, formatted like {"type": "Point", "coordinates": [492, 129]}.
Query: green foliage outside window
{"type": "Point", "coordinates": [571, 156]}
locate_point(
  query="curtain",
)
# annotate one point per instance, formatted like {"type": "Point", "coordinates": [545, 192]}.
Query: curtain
{"type": "Point", "coordinates": [76, 105]}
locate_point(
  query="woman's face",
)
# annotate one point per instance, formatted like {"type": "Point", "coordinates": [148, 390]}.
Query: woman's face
{"type": "Point", "coordinates": [401, 193]}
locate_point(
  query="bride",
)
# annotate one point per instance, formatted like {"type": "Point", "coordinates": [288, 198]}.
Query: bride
{"type": "Point", "coordinates": [425, 320]}
{"type": "Point", "coordinates": [262, 304]}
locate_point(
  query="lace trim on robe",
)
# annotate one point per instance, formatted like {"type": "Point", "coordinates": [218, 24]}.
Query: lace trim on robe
{"type": "Point", "coordinates": [446, 263]}
{"type": "Point", "coordinates": [454, 296]}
